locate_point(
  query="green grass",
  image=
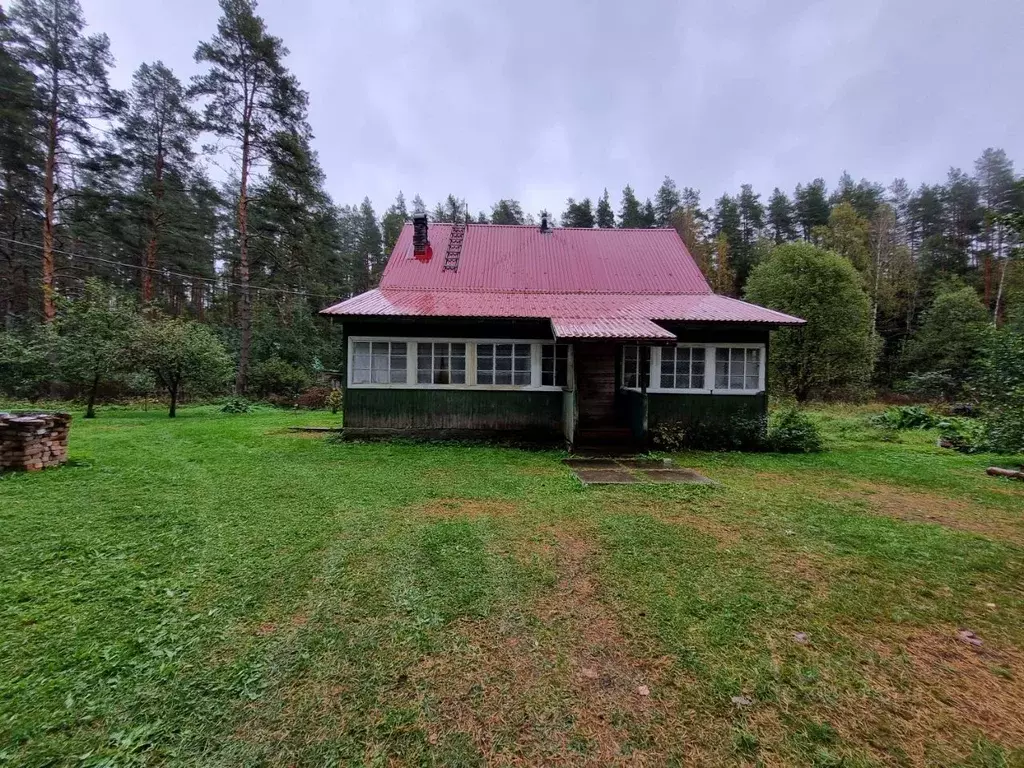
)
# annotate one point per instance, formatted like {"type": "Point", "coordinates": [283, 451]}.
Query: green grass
{"type": "Point", "coordinates": [215, 590]}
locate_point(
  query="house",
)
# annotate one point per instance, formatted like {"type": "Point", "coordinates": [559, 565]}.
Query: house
{"type": "Point", "coordinates": [591, 336]}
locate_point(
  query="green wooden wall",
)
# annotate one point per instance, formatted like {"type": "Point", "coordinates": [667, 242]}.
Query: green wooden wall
{"type": "Point", "coordinates": [454, 409]}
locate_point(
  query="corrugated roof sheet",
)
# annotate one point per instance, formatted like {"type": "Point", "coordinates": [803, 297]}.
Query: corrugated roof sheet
{"type": "Point", "coordinates": [595, 283]}
{"type": "Point", "coordinates": [683, 307]}
{"type": "Point", "coordinates": [563, 260]}
{"type": "Point", "coordinates": [608, 328]}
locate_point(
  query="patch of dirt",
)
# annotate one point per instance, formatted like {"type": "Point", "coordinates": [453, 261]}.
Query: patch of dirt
{"type": "Point", "coordinates": [293, 622]}
{"type": "Point", "coordinates": [922, 507]}
{"type": "Point", "coordinates": [562, 684]}
{"type": "Point", "coordinates": [932, 691]}
{"type": "Point", "coordinates": [471, 508]}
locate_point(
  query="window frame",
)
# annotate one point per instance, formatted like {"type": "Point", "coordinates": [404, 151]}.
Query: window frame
{"type": "Point", "coordinates": [390, 356]}
{"type": "Point", "coordinates": [709, 369]}
{"type": "Point", "coordinates": [433, 369]}
{"type": "Point", "coordinates": [412, 358]}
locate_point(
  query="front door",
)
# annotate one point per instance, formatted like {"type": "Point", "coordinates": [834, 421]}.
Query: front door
{"type": "Point", "coordinates": [594, 363]}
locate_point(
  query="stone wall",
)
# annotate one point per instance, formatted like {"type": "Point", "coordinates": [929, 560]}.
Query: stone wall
{"type": "Point", "coordinates": [33, 441]}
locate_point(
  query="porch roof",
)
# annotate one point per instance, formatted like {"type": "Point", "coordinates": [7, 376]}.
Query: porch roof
{"type": "Point", "coordinates": [626, 328]}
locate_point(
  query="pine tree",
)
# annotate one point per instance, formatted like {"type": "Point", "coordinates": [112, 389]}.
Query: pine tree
{"type": "Point", "coordinates": [156, 138]}
{"type": "Point", "coordinates": [70, 70]}
{"type": "Point", "coordinates": [995, 179]}
{"type": "Point", "coordinates": [579, 214]}
{"type": "Point", "coordinates": [812, 208]}
{"type": "Point", "coordinates": [648, 216]}
{"type": "Point", "coordinates": [604, 214]}
{"type": "Point", "coordinates": [451, 210]}
{"type": "Point", "coordinates": [507, 212]}
{"type": "Point", "coordinates": [631, 213]}
{"type": "Point", "coordinates": [418, 206]}
{"type": "Point", "coordinates": [393, 221]}
{"type": "Point", "coordinates": [780, 217]}
{"type": "Point", "coordinates": [250, 98]}
{"type": "Point", "coordinates": [20, 193]}
{"type": "Point", "coordinates": [667, 202]}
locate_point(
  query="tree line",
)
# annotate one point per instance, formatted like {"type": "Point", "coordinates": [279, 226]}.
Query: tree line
{"type": "Point", "coordinates": [204, 200]}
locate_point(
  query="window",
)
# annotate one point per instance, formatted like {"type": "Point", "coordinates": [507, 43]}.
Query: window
{"type": "Point", "coordinates": [738, 368]}
{"type": "Point", "coordinates": [503, 364]}
{"type": "Point", "coordinates": [682, 368]}
{"type": "Point", "coordinates": [631, 368]}
{"type": "Point", "coordinates": [440, 362]}
{"type": "Point", "coordinates": [554, 365]}
{"type": "Point", "coordinates": [379, 362]}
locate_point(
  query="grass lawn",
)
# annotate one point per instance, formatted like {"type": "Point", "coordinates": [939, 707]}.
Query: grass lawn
{"type": "Point", "coordinates": [214, 590]}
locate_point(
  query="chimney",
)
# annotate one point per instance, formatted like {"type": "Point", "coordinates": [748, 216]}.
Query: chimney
{"type": "Point", "coordinates": [544, 223]}
{"type": "Point", "coordinates": [420, 243]}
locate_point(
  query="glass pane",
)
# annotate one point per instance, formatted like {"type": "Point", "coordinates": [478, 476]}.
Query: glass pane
{"type": "Point", "coordinates": [503, 363]}
{"type": "Point", "coordinates": [547, 378]}
{"type": "Point", "coordinates": [522, 378]}
{"type": "Point", "coordinates": [504, 349]}
{"type": "Point", "coordinates": [752, 382]}
{"type": "Point", "coordinates": [360, 375]}
{"type": "Point", "coordinates": [667, 381]}
{"type": "Point", "coordinates": [380, 376]}
{"type": "Point", "coordinates": [754, 355]}
{"type": "Point", "coordinates": [562, 373]}
{"type": "Point", "coordinates": [485, 350]}
{"type": "Point", "coordinates": [722, 355]}
{"type": "Point", "coordinates": [459, 363]}
{"type": "Point", "coordinates": [398, 374]}
{"type": "Point", "coordinates": [458, 350]}
{"type": "Point", "coordinates": [484, 377]}
{"type": "Point", "coordinates": [697, 374]}
{"type": "Point", "coordinates": [503, 377]}
{"type": "Point", "coordinates": [458, 377]}
{"type": "Point", "coordinates": [736, 369]}
{"type": "Point", "coordinates": [522, 350]}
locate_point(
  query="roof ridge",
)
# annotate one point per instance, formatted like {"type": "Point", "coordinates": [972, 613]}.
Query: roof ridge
{"type": "Point", "coordinates": [531, 292]}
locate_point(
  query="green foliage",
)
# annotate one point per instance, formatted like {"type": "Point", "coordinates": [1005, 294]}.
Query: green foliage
{"type": "Point", "coordinates": [962, 434]}
{"type": "Point", "coordinates": [314, 398]}
{"type": "Point", "coordinates": [277, 377]}
{"type": "Point", "coordinates": [949, 341]}
{"type": "Point", "coordinates": [94, 335]}
{"type": "Point", "coordinates": [739, 433]}
{"type": "Point", "coordinates": [604, 214]}
{"type": "Point", "coordinates": [631, 213]}
{"type": "Point", "coordinates": [334, 400]}
{"type": "Point", "coordinates": [25, 361]}
{"type": "Point", "coordinates": [906, 417]}
{"type": "Point", "coordinates": [178, 351]}
{"type": "Point", "coordinates": [1001, 390]}
{"type": "Point", "coordinates": [790, 430]}
{"type": "Point", "coordinates": [832, 355]}
{"type": "Point", "coordinates": [237, 405]}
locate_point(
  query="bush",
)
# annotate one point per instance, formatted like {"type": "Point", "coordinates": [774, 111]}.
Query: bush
{"type": "Point", "coordinates": [237, 405]}
{"type": "Point", "coordinates": [961, 434]}
{"type": "Point", "coordinates": [736, 434]}
{"type": "Point", "coordinates": [1001, 387]}
{"type": "Point", "coordinates": [274, 376]}
{"type": "Point", "coordinates": [334, 400]}
{"type": "Point", "coordinates": [314, 398]}
{"type": "Point", "coordinates": [905, 417]}
{"type": "Point", "coordinates": [792, 431]}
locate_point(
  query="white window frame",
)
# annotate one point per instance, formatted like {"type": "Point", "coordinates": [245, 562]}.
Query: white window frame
{"type": "Point", "coordinates": [709, 371]}
{"type": "Point", "coordinates": [412, 356]}
{"type": "Point", "coordinates": [554, 363]}
{"type": "Point", "coordinates": [390, 343]}
{"type": "Point", "coordinates": [430, 348]}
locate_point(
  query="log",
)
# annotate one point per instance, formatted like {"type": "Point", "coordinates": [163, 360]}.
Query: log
{"type": "Point", "coordinates": [1000, 472]}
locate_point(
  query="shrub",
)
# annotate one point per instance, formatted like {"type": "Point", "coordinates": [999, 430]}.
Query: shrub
{"type": "Point", "coordinates": [237, 405]}
{"type": "Point", "coordinates": [961, 434]}
{"type": "Point", "coordinates": [274, 376]}
{"type": "Point", "coordinates": [334, 400]}
{"type": "Point", "coordinates": [905, 417]}
{"type": "Point", "coordinates": [313, 398]}
{"type": "Point", "coordinates": [741, 433]}
{"type": "Point", "coordinates": [1001, 387]}
{"type": "Point", "coordinates": [792, 431]}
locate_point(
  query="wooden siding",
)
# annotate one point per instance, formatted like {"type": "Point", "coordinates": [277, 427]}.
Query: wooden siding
{"type": "Point", "coordinates": [451, 409]}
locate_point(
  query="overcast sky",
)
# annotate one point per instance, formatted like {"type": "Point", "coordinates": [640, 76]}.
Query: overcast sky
{"type": "Point", "coordinates": [540, 100]}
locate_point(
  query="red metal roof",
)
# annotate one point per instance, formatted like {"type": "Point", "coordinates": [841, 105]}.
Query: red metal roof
{"type": "Point", "coordinates": [567, 260]}
{"type": "Point", "coordinates": [576, 277]}
{"type": "Point", "coordinates": [608, 328]}
{"type": "Point", "coordinates": [687, 307]}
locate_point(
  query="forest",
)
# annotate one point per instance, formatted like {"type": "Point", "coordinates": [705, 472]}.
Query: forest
{"type": "Point", "coordinates": [180, 234]}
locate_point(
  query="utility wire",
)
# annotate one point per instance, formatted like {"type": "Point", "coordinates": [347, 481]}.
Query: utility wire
{"type": "Point", "coordinates": [165, 272]}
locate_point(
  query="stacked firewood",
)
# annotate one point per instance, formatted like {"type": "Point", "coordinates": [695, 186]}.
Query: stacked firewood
{"type": "Point", "coordinates": [33, 441]}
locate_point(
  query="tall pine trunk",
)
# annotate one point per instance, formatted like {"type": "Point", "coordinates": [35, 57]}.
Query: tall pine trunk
{"type": "Point", "coordinates": [154, 226]}
{"type": "Point", "coordinates": [49, 195]}
{"type": "Point", "coordinates": [245, 311]}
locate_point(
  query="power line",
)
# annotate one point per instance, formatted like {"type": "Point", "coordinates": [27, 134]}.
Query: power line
{"type": "Point", "coordinates": [165, 272]}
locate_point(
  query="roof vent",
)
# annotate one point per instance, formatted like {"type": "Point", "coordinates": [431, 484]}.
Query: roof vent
{"type": "Point", "coordinates": [544, 223]}
{"type": "Point", "coordinates": [420, 243]}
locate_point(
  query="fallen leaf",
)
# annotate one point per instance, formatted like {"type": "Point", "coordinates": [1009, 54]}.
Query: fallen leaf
{"type": "Point", "coordinates": [643, 690]}
{"type": "Point", "coordinates": [589, 673]}
{"type": "Point", "coordinates": [800, 637]}
{"type": "Point", "coordinates": [741, 701]}
{"type": "Point", "coordinates": [990, 605]}
{"type": "Point", "coordinates": [969, 637]}
{"type": "Point", "coordinates": [432, 738]}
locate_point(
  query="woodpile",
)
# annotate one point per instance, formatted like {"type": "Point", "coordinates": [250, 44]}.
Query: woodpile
{"type": "Point", "coordinates": [33, 441]}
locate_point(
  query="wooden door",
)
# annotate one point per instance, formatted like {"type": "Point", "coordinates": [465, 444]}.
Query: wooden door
{"type": "Point", "coordinates": [594, 364]}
